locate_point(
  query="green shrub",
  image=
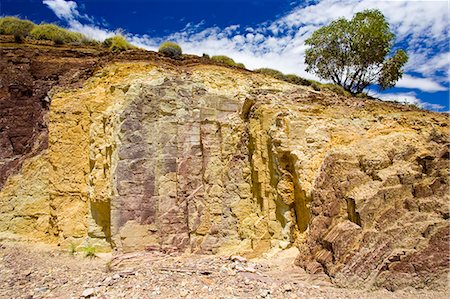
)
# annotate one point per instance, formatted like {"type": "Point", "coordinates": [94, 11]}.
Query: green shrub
{"type": "Point", "coordinates": [90, 42]}
{"type": "Point", "coordinates": [206, 56]}
{"type": "Point", "coordinates": [56, 34]}
{"type": "Point", "coordinates": [414, 106]}
{"type": "Point", "coordinates": [316, 85]}
{"type": "Point", "coordinates": [227, 60]}
{"type": "Point", "coordinates": [290, 78]}
{"type": "Point", "coordinates": [363, 95]}
{"type": "Point", "coordinates": [89, 251]}
{"type": "Point", "coordinates": [336, 89]}
{"type": "Point", "coordinates": [17, 27]}
{"type": "Point", "coordinates": [170, 49]}
{"type": "Point", "coordinates": [72, 248]}
{"type": "Point", "coordinates": [294, 79]}
{"type": "Point", "coordinates": [117, 43]}
{"type": "Point", "coordinates": [271, 72]}
{"type": "Point", "coordinates": [224, 59]}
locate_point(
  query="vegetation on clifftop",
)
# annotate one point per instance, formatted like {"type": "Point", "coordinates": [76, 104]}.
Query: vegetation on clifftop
{"type": "Point", "coordinates": [56, 34]}
{"type": "Point", "coordinates": [17, 27]}
{"type": "Point", "coordinates": [24, 29]}
{"type": "Point", "coordinates": [338, 52]}
{"type": "Point", "coordinates": [227, 61]}
{"type": "Point", "coordinates": [170, 49]}
{"type": "Point", "coordinates": [117, 43]}
{"type": "Point", "coordinates": [294, 79]}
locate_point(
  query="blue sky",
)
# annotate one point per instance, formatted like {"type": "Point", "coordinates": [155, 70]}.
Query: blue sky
{"type": "Point", "coordinates": [264, 33]}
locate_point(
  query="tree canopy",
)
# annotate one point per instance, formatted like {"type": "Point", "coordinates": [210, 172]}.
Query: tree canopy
{"type": "Point", "coordinates": [354, 53]}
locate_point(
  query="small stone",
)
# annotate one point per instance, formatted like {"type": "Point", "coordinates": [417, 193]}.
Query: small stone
{"type": "Point", "coordinates": [41, 289]}
{"type": "Point", "coordinates": [250, 268]}
{"type": "Point", "coordinates": [264, 293]}
{"type": "Point", "coordinates": [287, 287]}
{"type": "Point", "coordinates": [107, 281]}
{"type": "Point", "coordinates": [89, 292]}
{"type": "Point", "coordinates": [184, 293]}
{"type": "Point", "coordinates": [284, 244]}
{"type": "Point", "coordinates": [237, 258]}
{"type": "Point", "coordinates": [116, 276]}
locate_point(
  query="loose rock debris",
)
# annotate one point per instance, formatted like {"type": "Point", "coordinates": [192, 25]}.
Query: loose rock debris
{"type": "Point", "coordinates": [45, 272]}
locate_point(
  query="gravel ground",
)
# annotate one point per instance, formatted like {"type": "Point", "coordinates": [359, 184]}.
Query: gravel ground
{"type": "Point", "coordinates": [41, 271]}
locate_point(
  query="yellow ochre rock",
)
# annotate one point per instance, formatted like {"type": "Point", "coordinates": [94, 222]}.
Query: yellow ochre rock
{"type": "Point", "coordinates": [209, 159]}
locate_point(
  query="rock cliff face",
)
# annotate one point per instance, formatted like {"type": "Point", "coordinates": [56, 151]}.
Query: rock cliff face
{"type": "Point", "coordinates": [150, 154]}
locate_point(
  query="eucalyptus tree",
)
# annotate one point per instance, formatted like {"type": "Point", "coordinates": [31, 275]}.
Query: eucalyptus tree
{"type": "Point", "coordinates": [356, 53]}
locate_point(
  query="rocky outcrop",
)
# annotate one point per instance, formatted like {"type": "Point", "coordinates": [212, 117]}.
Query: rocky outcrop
{"type": "Point", "coordinates": [202, 158]}
{"type": "Point", "coordinates": [26, 77]}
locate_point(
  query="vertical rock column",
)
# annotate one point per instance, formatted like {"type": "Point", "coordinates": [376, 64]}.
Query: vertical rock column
{"type": "Point", "coordinates": [150, 210]}
{"type": "Point", "coordinates": [190, 174]}
{"type": "Point", "coordinates": [134, 208]}
{"type": "Point", "coordinates": [275, 182]}
{"type": "Point", "coordinates": [68, 156]}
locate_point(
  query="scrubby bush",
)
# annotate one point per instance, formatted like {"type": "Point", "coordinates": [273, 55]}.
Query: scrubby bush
{"type": "Point", "coordinates": [294, 79]}
{"type": "Point", "coordinates": [56, 34]}
{"type": "Point", "coordinates": [206, 56]}
{"type": "Point", "coordinates": [271, 72]}
{"type": "Point", "coordinates": [24, 28]}
{"type": "Point", "coordinates": [117, 43]}
{"type": "Point", "coordinates": [89, 251]}
{"type": "Point", "coordinates": [170, 49]}
{"type": "Point", "coordinates": [414, 106]}
{"type": "Point", "coordinates": [291, 78]}
{"type": "Point", "coordinates": [317, 86]}
{"type": "Point", "coordinates": [17, 27]}
{"type": "Point", "coordinates": [363, 95]}
{"type": "Point", "coordinates": [227, 60]}
{"type": "Point", "coordinates": [223, 59]}
{"type": "Point", "coordinates": [337, 89]}
{"type": "Point", "coordinates": [90, 42]}
{"type": "Point", "coordinates": [72, 248]}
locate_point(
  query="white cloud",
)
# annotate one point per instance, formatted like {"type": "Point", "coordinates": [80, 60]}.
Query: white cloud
{"type": "Point", "coordinates": [91, 31]}
{"type": "Point", "coordinates": [68, 11]}
{"type": "Point", "coordinates": [401, 97]}
{"type": "Point", "coordinates": [63, 9]}
{"type": "Point", "coordinates": [408, 98]}
{"type": "Point", "coordinates": [438, 63]}
{"type": "Point", "coordinates": [424, 84]}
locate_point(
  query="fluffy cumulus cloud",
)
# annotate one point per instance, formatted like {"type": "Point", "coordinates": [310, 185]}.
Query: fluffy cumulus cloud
{"type": "Point", "coordinates": [63, 9]}
{"type": "Point", "coordinates": [424, 84]}
{"type": "Point", "coordinates": [420, 26]}
{"type": "Point", "coordinates": [68, 11]}
{"type": "Point", "coordinates": [408, 98]}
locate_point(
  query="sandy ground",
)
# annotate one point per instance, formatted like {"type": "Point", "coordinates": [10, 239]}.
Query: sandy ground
{"type": "Point", "coordinates": [42, 271]}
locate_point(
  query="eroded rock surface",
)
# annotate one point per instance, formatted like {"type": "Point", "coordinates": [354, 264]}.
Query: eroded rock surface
{"type": "Point", "coordinates": [207, 159]}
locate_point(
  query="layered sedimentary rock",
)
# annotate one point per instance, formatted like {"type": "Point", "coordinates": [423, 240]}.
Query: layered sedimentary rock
{"type": "Point", "coordinates": [151, 155]}
{"type": "Point", "coordinates": [27, 76]}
